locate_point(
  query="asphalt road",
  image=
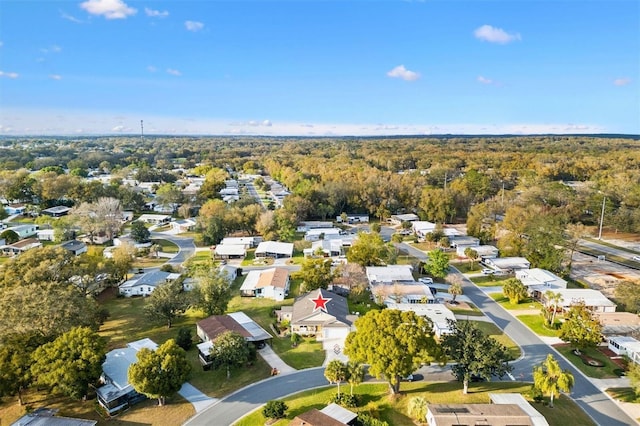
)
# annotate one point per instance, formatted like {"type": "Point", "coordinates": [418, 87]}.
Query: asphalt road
{"type": "Point", "coordinates": [233, 407]}
{"type": "Point", "coordinates": [186, 247]}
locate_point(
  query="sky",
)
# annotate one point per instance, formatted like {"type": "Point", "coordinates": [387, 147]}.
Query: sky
{"type": "Point", "coordinates": [319, 68]}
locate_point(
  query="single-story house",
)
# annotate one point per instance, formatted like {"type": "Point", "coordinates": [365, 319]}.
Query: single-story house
{"type": "Point", "coordinates": [117, 393]}
{"type": "Point", "coordinates": [399, 218]}
{"type": "Point", "coordinates": [321, 234]}
{"type": "Point", "coordinates": [627, 346]}
{"type": "Point", "coordinates": [484, 251]}
{"type": "Point", "coordinates": [46, 234]}
{"type": "Point", "coordinates": [593, 299]}
{"type": "Point", "coordinates": [24, 231]}
{"type": "Point", "coordinates": [272, 283]}
{"type": "Point", "coordinates": [331, 247]}
{"type": "Point", "coordinates": [517, 398]}
{"type": "Point", "coordinates": [229, 191]}
{"type": "Point", "coordinates": [21, 246]}
{"type": "Point", "coordinates": [13, 209]}
{"type": "Point", "coordinates": [319, 313]}
{"type": "Point", "coordinates": [47, 417]}
{"type": "Point", "coordinates": [463, 240]}
{"type": "Point", "coordinates": [183, 225]}
{"type": "Point", "coordinates": [422, 227]}
{"type": "Point", "coordinates": [618, 323]}
{"type": "Point", "coordinates": [313, 224]}
{"type": "Point", "coordinates": [145, 284]}
{"type": "Point", "coordinates": [75, 247]}
{"type": "Point", "coordinates": [477, 414]}
{"type": "Point", "coordinates": [155, 219]}
{"type": "Point", "coordinates": [354, 218]}
{"type": "Point", "coordinates": [507, 265]}
{"type": "Point", "coordinates": [389, 274]}
{"type": "Point", "coordinates": [57, 211]}
{"type": "Point", "coordinates": [127, 216]}
{"type": "Point", "coordinates": [331, 415]}
{"type": "Point", "coordinates": [275, 249]}
{"type": "Point", "coordinates": [438, 313]}
{"type": "Point", "coordinates": [402, 292]}
{"type": "Point", "coordinates": [539, 280]}
{"type": "Point", "coordinates": [210, 328]}
{"type": "Point", "coordinates": [118, 241]}
{"type": "Point", "coordinates": [247, 242]}
{"type": "Point", "coordinates": [229, 251]}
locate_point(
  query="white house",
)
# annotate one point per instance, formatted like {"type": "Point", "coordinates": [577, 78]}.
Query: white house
{"type": "Point", "coordinates": [592, 299]}
{"type": "Point", "coordinates": [117, 393]}
{"type": "Point", "coordinates": [146, 284]}
{"type": "Point", "coordinates": [155, 219]}
{"type": "Point", "coordinates": [272, 283]}
{"type": "Point", "coordinates": [57, 211]}
{"type": "Point", "coordinates": [627, 346]}
{"type": "Point", "coordinates": [423, 227]}
{"type": "Point", "coordinates": [354, 218]}
{"type": "Point", "coordinates": [275, 249]}
{"type": "Point", "coordinates": [399, 218]}
{"type": "Point", "coordinates": [13, 209]}
{"type": "Point", "coordinates": [46, 234]}
{"type": "Point", "coordinates": [438, 313]}
{"type": "Point", "coordinates": [24, 231]}
{"type": "Point", "coordinates": [247, 242]}
{"type": "Point", "coordinates": [229, 251]}
{"type": "Point", "coordinates": [539, 280]}
{"type": "Point", "coordinates": [389, 274]}
{"type": "Point", "coordinates": [330, 248]}
{"type": "Point", "coordinates": [321, 233]}
{"type": "Point", "coordinates": [183, 225]}
{"type": "Point", "coordinates": [399, 293]}
{"type": "Point", "coordinates": [507, 265]}
{"type": "Point", "coordinates": [464, 240]}
{"type": "Point", "coordinates": [484, 251]}
{"type": "Point", "coordinates": [313, 224]}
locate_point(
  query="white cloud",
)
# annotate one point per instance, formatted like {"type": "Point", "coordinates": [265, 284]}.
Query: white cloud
{"type": "Point", "coordinates": [55, 77]}
{"type": "Point", "coordinates": [484, 80]}
{"type": "Point", "coordinates": [495, 35]}
{"type": "Point", "coordinates": [151, 68]}
{"type": "Point", "coordinates": [174, 72]}
{"type": "Point", "coordinates": [53, 49]}
{"type": "Point", "coordinates": [9, 74]}
{"type": "Point", "coordinates": [193, 25]}
{"type": "Point", "coordinates": [117, 129]}
{"type": "Point", "coordinates": [156, 13]}
{"type": "Point", "coordinates": [65, 15]}
{"type": "Point", "coordinates": [111, 9]}
{"type": "Point", "coordinates": [621, 81]}
{"type": "Point", "coordinates": [401, 72]}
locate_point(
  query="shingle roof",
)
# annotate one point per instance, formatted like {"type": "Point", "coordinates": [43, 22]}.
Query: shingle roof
{"type": "Point", "coordinates": [315, 417]}
{"type": "Point", "coordinates": [303, 309]}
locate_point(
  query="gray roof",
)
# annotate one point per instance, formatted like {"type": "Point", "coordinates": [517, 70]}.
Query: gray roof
{"type": "Point", "coordinates": [73, 245]}
{"type": "Point", "coordinates": [46, 417]}
{"type": "Point", "coordinates": [152, 279]}
{"type": "Point", "coordinates": [303, 309]}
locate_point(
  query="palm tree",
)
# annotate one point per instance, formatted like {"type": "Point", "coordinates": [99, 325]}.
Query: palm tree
{"type": "Point", "coordinates": [355, 374]}
{"type": "Point", "coordinates": [418, 408]}
{"type": "Point", "coordinates": [554, 298]}
{"type": "Point", "coordinates": [551, 379]}
{"type": "Point", "coordinates": [336, 372]}
{"type": "Point", "coordinates": [455, 289]}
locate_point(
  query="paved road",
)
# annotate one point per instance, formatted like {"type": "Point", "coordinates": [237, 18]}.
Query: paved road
{"type": "Point", "coordinates": [593, 401]}
{"type": "Point", "coordinates": [231, 408]}
{"type": "Point", "coordinates": [186, 247]}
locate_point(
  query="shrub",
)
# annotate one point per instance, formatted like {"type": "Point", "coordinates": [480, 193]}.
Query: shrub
{"type": "Point", "coordinates": [295, 339]}
{"type": "Point", "coordinates": [184, 338]}
{"type": "Point", "coordinates": [345, 400]}
{"type": "Point", "coordinates": [275, 409]}
{"type": "Point", "coordinates": [367, 420]}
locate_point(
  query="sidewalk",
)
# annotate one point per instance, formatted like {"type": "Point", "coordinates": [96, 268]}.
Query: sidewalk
{"type": "Point", "coordinates": [199, 400]}
{"type": "Point", "coordinates": [274, 360]}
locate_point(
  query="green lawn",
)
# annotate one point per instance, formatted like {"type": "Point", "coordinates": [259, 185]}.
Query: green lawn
{"type": "Point", "coordinates": [466, 267]}
{"type": "Point", "coordinates": [166, 246]}
{"type": "Point", "coordinates": [377, 401]}
{"type": "Point", "coordinates": [536, 324]}
{"type": "Point", "coordinates": [472, 311]}
{"type": "Point", "coordinates": [524, 305]}
{"type": "Point", "coordinates": [610, 369]}
{"type": "Point", "coordinates": [489, 280]}
{"type": "Point", "coordinates": [307, 354]}
{"type": "Point", "coordinates": [624, 395]}
{"type": "Point", "coordinates": [492, 330]}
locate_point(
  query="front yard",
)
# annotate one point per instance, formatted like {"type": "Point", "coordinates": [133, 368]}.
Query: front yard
{"type": "Point", "coordinates": [608, 370]}
{"type": "Point", "coordinates": [492, 330]}
{"type": "Point", "coordinates": [393, 410]}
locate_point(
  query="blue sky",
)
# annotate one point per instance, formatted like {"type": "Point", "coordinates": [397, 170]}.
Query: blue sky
{"type": "Point", "coordinates": [319, 67]}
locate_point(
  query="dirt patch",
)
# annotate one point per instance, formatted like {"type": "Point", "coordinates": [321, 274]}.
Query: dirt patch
{"type": "Point", "coordinates": [107, 294]}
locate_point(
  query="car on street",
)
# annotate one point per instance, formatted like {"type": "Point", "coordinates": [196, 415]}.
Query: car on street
{"type": "Point", "coordinates": [636, 258]}
{"type": "Point", "coordinates": [488, 271]}
{"type": "Point", "coordinates": [425, 280]}
{"type": "Point", "coordinates": [408, 378]}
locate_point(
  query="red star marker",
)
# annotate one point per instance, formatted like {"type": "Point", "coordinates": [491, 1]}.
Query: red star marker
{"type": "Point", "coordinates": [321, 302]}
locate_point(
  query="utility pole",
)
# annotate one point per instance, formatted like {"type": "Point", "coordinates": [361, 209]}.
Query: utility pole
{"type": "Point", "coordinates": [141, 131]}
{"type": "Point", "coordinates": [604, 199]}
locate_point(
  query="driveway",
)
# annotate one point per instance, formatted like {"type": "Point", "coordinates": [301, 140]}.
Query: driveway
{"type": "Point", "coordinates": [275, 361]}
{"type": "Point", "coordinates": [199, 400]}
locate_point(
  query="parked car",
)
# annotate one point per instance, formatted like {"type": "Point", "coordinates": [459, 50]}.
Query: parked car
{"type": "Point", "coordinates": [425, 280]}
{"type": "Point", "coordinates": [408, 378]}
{"type": "Point", "coordinates": [488, 271]}
{"type": "Point", "coordinates": [636, 258]}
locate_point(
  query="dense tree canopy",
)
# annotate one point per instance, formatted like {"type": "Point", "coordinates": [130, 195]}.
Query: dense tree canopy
{"type": "Point", "coordinates": [580, 327]}
{"type": "Point", "coordinates": [393, 343]}
{"type": "Point", "coordinates": [474, 353]}
{"type": "Point", "coordinates": [315, 273]}
{"type": "Point", "coordinates": [213, 292]}
{"type": "Point", "coordinates": [230, 349]}
{"type": "Point", "coordinates": [160, 373]}
{"type": "Point", "coordinates": [72, 362]}
{"type": "Point", "coordinates": [369, 250]}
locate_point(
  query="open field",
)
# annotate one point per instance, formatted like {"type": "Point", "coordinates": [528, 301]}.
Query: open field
{"type": "Point", "coordinates": [376, 400]}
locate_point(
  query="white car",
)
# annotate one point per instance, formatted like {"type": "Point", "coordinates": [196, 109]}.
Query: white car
{"type": "Point", "coordinates": [488, 271]}
{"type": "Point", "coordinates": [425, 280]}
{"type": "Point", "coordinates": [636, 258]}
